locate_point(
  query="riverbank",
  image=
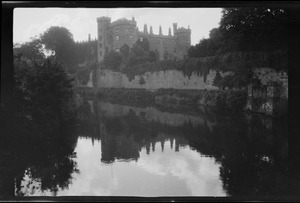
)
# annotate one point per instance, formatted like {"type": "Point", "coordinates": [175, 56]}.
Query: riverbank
{"type": "Point", "coordinates": [226, 100]}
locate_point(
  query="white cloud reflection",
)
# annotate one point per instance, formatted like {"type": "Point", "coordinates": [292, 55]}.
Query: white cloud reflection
{"type": "Point", "coordinates": [182, 173]}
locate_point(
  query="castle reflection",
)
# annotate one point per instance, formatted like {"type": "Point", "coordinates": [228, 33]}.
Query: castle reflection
{"type": "Point", "coordinates": [252, 150]}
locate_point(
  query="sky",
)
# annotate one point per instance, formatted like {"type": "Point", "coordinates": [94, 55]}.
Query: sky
{"type": "Point", "coordinates": [30, 22]}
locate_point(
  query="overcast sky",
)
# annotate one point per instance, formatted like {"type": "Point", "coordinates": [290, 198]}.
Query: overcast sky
{"type": "Point", "coordinates": [29, 22]}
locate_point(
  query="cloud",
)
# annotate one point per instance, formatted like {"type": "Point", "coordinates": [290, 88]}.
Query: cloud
{"type": "Point", "coordinates": [38, 28]}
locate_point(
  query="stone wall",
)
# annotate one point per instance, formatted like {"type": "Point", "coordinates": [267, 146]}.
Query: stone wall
{"type": "Point", "coordinates": [162, 79]}
{"type": "Point", "coordinates": [271, 95]}
{"type": "Point", "coordinates": [268, 76]}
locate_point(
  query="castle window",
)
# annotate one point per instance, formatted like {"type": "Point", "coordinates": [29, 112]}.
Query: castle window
{"type": "Point", "coordinates": [131, 38]}
{"type": "Point", "coordinates": [100, 53]}
{"type": "Point", "coordinates": [117, 29]}
{"type": "Point", "coordinates": [117, 38]}
{"type": "Point", "coordinates": [100, 38]}
{"type": "Point", "coordinates": [100, 45]}
{"type": "Point", "coordinates": [131, 30]}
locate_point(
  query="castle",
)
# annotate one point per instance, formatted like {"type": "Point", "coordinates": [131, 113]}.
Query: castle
{"type": "Point", "coordinates": [112, 35]}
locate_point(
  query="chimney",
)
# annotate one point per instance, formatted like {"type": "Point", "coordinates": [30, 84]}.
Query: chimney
{"type": "Point", "coordinates": [89, 37]}
{"type": "Point", "coordinates": [160, 32]}
{"type": "Point", "coordinates": [145, 29]}
{"type": "Point", "coordinates": [170, 31]}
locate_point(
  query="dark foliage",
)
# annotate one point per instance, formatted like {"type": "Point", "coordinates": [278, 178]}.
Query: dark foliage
{"type": "Point", "coordinates": [60, 40]}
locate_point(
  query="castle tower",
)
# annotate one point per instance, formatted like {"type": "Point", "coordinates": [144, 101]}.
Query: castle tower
{"type": "Point", "coordinates": [170, 32]}
{"type": "Point", "coordinates": [145, 29]}
{"type": "Point", "coordinates": [123, 31]}
{"type": "Point", "coordinates": [103, 37]}
{"type": "Point", "coordinates": [160, 31]}
{"type": "Point", "coordinates": [183, 41]}
{"type": "Point", "coordinates": [151, 30]}
{"type": "Point", "coordinates": [174, 28]}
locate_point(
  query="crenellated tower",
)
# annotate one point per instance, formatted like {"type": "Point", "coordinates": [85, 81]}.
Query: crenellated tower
{"type": "Point", "coordinates": [104, 38]}
{"type": "Point", "coordinates": [183, 40]}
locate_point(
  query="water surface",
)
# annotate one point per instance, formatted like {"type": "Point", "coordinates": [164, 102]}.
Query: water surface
{"type": "Point", "coordinates": [121, 150]}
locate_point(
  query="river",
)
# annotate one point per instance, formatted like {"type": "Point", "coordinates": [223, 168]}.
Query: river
{"type": "Point", "coordinates": [122, 150]}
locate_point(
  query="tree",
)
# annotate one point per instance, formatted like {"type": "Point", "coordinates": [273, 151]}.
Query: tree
{"type": "Point", "coordinates": [206, 47]}
{"type": "Point", "coordinates": [124, 50]}
{"type": "Point", "coordinates": [60, 40]}
{"type": "Point", "coordinates": [112, 60]}
{"type": "Point", "coordinates": [217, 79]}
{"type": "Point", "coordinates": [43, 90]}
{"type": "Point", "coordinates": [152, 56]}
{"type": "Point", "coordinates": [32, 50]}
{"type": "Point", "coordinates": [139, 53]}
{"type": "Point", "coordinates": [144, 43]}
{"type": "Point", "coordinates": [254, 29]}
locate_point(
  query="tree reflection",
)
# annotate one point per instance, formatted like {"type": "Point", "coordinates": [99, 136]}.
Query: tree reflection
{"type": "Point", "coordinates": [48, 161]}
{"type": "Point", "coordinates": [252, 151]}
{"type": "Point", "coordinates": [37, 145]}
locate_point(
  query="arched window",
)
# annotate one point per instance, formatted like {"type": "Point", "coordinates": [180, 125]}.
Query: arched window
{"type": "Point", "coordinates": [117, 38]}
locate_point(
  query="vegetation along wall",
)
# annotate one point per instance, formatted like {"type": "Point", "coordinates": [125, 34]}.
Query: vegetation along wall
{"type": "Point", "coordinates": [155, 80]}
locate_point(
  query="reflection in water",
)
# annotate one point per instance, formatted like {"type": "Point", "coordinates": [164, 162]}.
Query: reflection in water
{"type": "Point", "coordinates": [36, 157]}
{"type": "Point", "coordinates": [122, 150]}
{"type": "Point", "coordinates": [185, 173]}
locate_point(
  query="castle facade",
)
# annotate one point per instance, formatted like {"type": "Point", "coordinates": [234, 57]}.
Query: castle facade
{"type": "Point", "coordinates": [112, 35]}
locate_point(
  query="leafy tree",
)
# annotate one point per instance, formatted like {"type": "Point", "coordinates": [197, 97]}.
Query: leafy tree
{"type": "Point", "coordinates": [140, 53]}
{"type": "Point", "coordinates": [60, 40]}
{"type": "Point", "coordinates": [124, 50]}
{"type": "Point", "coordinates": [43, 90]}
{"type": "Point", "coordinates": [153, 56]}
{"type": "Point", "coordinates": [32, 50]}
{"type": "Point", "coordinates": [206, 47]}
{"type": "Point", "coordinates": [143, 43]}
{"type": "Point", "coordinates": [253, 29]}
{"type": "Point", "coordinates": [217, 79]}
{"type": "Point", "coordinates": [112, 60]}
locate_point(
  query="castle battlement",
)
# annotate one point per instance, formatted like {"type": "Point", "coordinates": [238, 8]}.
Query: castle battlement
{"type": "Point", "coordinates": [103, 18]}
{"type": "Point", "coordinates": [113, 35]}
{"type": "Point", "coordinates": [156, 35]}
{"type": "Point", "coordinates": [182, 29]}
{"type": "Point", "coordinates": [123, 22]}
